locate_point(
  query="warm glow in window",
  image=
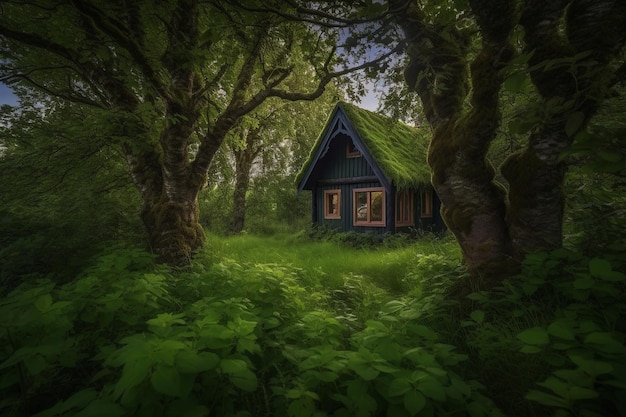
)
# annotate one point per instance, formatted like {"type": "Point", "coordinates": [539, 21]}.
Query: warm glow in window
{"type": "Point", "coordinates": [427, 203]}
{"type": "Point", "coordinates": [404, 209]}
{"type": "Point", "coordinates": [369, 207]}
{"type": "Point", "coordinates": [332, 204]}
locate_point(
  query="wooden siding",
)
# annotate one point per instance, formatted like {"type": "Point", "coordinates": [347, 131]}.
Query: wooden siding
{"type": "Point", "coordinates": [345, 223]}
{"type": "Point", "coordinates": [335, 165]}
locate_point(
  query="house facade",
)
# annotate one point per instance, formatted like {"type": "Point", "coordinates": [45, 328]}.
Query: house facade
{"type": "Point", "coordinates": [368, 173]}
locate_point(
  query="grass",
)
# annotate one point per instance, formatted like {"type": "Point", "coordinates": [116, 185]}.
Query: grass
{"type": "Point", "coordinates": [383, 266]}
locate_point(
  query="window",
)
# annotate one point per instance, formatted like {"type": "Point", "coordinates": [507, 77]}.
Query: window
{"type": "Point", "coordinates": [404, 209]}
{"type": "Point", "coordinates": [332, 204]}
{"type": "Point", "coordinates": [351, 150]}
{"type": "Point", "coordinates": [369, 207]}
{"type": "Point", "coordinates": [427, 203]}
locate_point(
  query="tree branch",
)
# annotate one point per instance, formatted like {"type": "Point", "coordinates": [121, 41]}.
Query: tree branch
{"type": "Point", "coordinates": [122, 36]}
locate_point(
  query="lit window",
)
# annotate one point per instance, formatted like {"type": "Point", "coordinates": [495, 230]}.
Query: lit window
{"type": "Point", "coordinates": [352, 151]}
{"type": "Point", "coordinates": [369, 207]}
{"type": "Point", "coordinates": [332, 202]}
{"type": "Point", "coordinates": [404, 209]}
{"type": "Point", "coordinates": [427, 203]}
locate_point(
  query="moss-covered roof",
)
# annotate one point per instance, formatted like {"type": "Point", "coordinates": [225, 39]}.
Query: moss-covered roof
{"type": "Point", "coordinates": [398, 149]}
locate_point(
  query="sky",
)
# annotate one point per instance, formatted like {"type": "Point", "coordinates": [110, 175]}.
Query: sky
{"type": "Point", "coordinates": [369, 102]}
{"type": "Point", "coordinates": [6, 95]}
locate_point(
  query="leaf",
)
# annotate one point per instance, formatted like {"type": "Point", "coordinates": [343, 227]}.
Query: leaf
{"type": "Point", "coordinates": [393, 306]}
{"type": "Point", "coordinates": [424, 331]}
{"type": "Point", "coordinates": [478, 316]}
{"type": "Point", "coordinates": [399, 386]}
{"type": "Point", "coordinates": [133, 374]}
{"type": "Point", "coordinates": [546, 399]}
{"type": "Point", "coordinates": [432, 388]}
{"type": "Point", "coordinates": [363, 365]}
{"type": "Point", "coordinates": [245, 380]}
{"type": "Point", "coordinates": [232, 366]}
{"type": "Point", "coordinates": [166, 350]}
{"type": "Point", "coordinates": [516, 82]}
{"type": "Point", "coordinates": [166, 380]}
{"type": "Point", "coordinates": [583, 283]}
{"type": "Point", "coordinates": [599, 267]}
{"type": "Point", "coordinates": [35, 364]}
{"type": "Point", "coordinates": [191, 362]}
{"type": "Point", "coordinates": [365, 371]}
{"type": "Point", "coordinates": [302, 407]}
{"type": "Point", "coordinates": [479, 296]}
{"type": "Point", "coordinates": [605, 342]}
{"type": "Point", "coordinates": [591, 367]}
{"type": "Point", "coordinates": [574, 122]}
{"type": "Point", "coordinates": [530, 349]}
{"type": "Point", "coordinates": [43, 303]}
{"type": "Point", "coordinates": [384, 366]}
{"type": "Point", "coordinates": [414, 402]}
{"type": "Point", "coordinates": [580, 393]}
{"type": "Point", "coordinates": [534, 336]}
{"type": "Point", "coordinates": [561, 330]}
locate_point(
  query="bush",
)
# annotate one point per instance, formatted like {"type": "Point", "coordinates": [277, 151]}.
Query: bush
{"type": "Point", "coordinates": [558, 330]}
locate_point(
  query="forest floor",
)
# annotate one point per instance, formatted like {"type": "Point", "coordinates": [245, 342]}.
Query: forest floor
{"type": "Point", "coordinates": [286, 325]}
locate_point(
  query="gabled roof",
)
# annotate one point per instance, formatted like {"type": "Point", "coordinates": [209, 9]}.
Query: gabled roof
{"type": "Point", "coordinates": [397, 149]}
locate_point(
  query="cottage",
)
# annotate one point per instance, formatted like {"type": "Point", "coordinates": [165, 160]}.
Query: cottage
{"type": "Point", "coordinates": [368, 173]}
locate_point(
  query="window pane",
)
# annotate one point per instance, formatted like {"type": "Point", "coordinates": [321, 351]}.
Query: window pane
{"type": "Point", "coordinates": [377, 206]}
{"type": "Point", "coordinates": [361, 206]}
{"type": "Point", "coordinates": [332, 203]}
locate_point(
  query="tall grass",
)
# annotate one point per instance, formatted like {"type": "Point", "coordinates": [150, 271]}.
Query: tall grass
{"type": "Point", "coordinates": [383, 266]}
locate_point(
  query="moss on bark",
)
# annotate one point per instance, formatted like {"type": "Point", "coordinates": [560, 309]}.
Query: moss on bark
{"type": "Point", "coordinates": [174, 230]}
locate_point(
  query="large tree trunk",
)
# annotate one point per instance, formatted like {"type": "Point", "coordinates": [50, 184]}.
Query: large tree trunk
{"type": "Point", "coordinates": [169, 193]}
{"type": "Point", "coordinates": [473, 204]}
{"type": "Point", "coordinates": [174, 230]}
{"type": "Point", "coordinates": [495, 229]}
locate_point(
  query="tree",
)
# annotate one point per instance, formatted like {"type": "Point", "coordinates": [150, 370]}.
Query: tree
{"type": "Point", "coordinates": [171, 78]}
{"type": "Point", "coordinates": [568, 53]}
{"type": "Point", "coordinates": [64, 192]}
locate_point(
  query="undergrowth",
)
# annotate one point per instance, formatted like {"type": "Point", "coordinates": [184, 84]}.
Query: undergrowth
{"type": "Point", "coordinates": [254, 329]}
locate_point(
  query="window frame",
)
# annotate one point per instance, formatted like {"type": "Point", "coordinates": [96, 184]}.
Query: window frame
{"type": "Point", "coordinates": [368, 222]}
{"type": "Point", "coordinates": [327, 213]}
{"type": "Point", "coordinates": [404, 203]}
{"type": "Point", "coordinates": [426, 203]}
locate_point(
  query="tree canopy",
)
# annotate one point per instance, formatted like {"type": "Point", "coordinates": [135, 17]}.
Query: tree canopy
{"type": "Point", "coordinates": [170, 80]}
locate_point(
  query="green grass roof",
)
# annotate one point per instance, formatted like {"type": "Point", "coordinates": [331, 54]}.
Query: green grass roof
{"type": "Point", "coordinates": [398, 149]}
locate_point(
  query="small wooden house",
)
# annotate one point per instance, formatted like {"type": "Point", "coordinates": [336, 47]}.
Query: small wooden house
{"type": "Point", "coordinates": [368, 173]}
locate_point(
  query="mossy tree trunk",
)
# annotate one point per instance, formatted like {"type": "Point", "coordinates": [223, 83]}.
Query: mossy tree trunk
{"type": "Point", "coordinates": [459, 87]}
{"type": "Point", "coordinates": [245, 152]}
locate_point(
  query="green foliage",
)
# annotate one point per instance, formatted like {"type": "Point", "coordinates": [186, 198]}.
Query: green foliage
{"type": "Point", "coordinates": [127, 337]}
{"type": "Point", "coordinates": [263, 326]}
{"type": "Point", "coordinates": [561, 322]}
{"type": "Point", "coordinates": [63, 199]}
